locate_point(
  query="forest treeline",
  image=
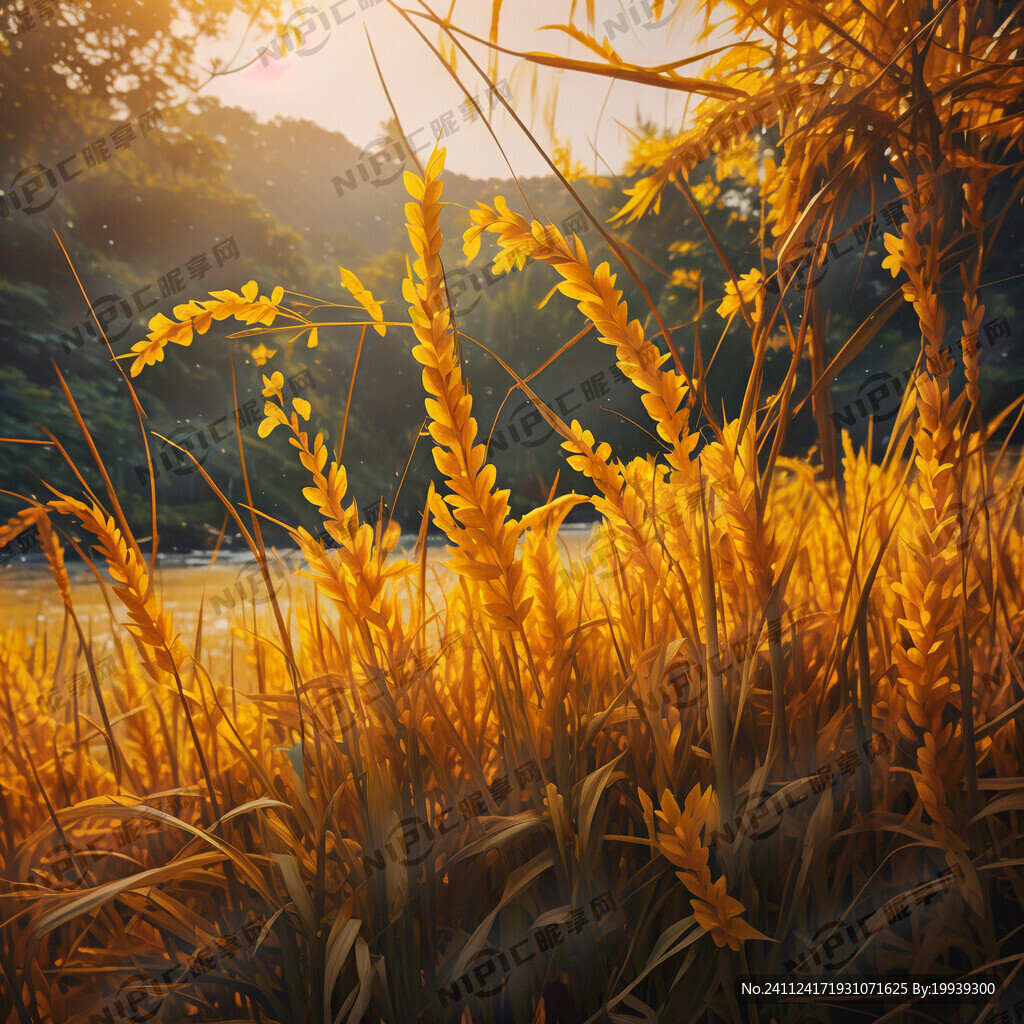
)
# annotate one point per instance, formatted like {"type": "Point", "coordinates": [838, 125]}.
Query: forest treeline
{"type": "Point", "coordinates": [212, 198]}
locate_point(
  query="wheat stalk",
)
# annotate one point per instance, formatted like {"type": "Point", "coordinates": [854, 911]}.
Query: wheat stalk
{"type": "Point", "coordinates": [679, 841]}
{"type": "Point", "coordinates": [476, 515]}
{"type": "Point", "coordinates": [150, 627]}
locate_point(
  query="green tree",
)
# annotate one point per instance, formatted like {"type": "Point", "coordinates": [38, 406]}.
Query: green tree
{"type": "Point", "coordinates": [122, 56]}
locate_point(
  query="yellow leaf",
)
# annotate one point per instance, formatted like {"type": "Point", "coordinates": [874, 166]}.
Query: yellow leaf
{"type": "Point", "coordinates": [363, 297]}
{"type": "Point", "coordinates": [436, 164]}
{"type": "Point", "coordinates": [413, 185]}
{"type": "Point", "coordinates": [471, 242]}
{"type": "Point", "coordinates": [473, 569]}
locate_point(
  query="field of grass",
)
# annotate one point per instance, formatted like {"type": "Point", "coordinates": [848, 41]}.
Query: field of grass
{"type": "Point", "coordinates": [720, 746]}
{"type": "Point", "coordinates": [764, 728]}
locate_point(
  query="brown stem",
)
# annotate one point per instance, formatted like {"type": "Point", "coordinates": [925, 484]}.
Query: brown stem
{"type": "Point", "coordinates": [821, 401]}
{"type": "Point", "coordinates": [965, 677]}
{"type": "Point", "coordinates": [863, 717]}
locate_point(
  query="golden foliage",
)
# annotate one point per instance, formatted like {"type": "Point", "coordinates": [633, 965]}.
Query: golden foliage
{"type": "Point", "coordinates": [745, 624]}
{"type": "Point", "coordinates": [150, 627]}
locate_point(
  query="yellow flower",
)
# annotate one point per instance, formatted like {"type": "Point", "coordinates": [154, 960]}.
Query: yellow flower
{"type": "Point", "coordinates": [261, 353]}
{"type": "Point", "coordinates": [894, 261]}
{"type": "Point", "coordinates": [274, 417]}
{"type": "Point", "coordinates": [685, 278]}
{"type": "Point", "coordinates": [706, 192]}
{"type": "Point", "coordinates": [684, 247]}
{"type": "Point", "coordinates": [752, 290]}
{"type": "Point", "coordinates": [302, 407]}
{"type": "Point", "coordinates": [273, 384]}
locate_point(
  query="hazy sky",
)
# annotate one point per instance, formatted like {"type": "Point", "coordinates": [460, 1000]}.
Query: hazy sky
{"type": "Point", "coordinates": [331, 78]}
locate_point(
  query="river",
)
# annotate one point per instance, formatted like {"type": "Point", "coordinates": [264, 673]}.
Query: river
{"type": "Point", "coordinates": [30, 601]}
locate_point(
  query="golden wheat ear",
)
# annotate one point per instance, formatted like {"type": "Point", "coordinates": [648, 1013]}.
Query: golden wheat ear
{"type": "Point", "coordinates": [150, 627]}
{"type": "Point", "coordinates": [664, 391]}
{"type": "Point", "coordinates": [679, 841]}
{"type": "Point", "coordinates": [476, 516]}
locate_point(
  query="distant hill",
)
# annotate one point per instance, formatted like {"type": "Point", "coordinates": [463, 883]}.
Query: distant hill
{"type": "Point", "coordinates": [208, 204]}
{"type": "Point", "coordinates": [220, 199]}
{"type": "Point", "coordinates": [323, 185]}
